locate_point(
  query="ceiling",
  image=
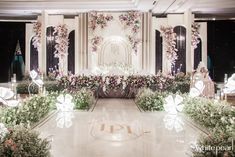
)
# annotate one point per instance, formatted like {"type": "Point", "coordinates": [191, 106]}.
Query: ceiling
{"type": "Point", "coordinates": [29, 9]}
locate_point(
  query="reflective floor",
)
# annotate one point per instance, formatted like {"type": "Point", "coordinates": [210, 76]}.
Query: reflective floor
{"type": "Point", "coordinates": [116, 128]}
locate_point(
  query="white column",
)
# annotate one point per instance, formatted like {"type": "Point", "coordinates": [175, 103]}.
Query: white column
{"type": "Point", "coordinates": [188, 19]}
{"type": "Point", "coordinates": [42, 53]}
{"type": "Point", "coordinates": [77, 61]}
{"type": "Point", "coordinates": [28, 36]}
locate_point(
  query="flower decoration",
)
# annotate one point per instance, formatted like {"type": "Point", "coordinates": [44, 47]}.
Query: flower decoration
{"type": "Point", "coordinates": [3, 131]}
{"type": "Point", "coordinates": [169, 37]}
{"type": "Point", "coordinates": [173, 121]}
{"type": "Point", "coordinates": [95, 42]}
{"type": "Point", "coordinates": [134, 42]}
{"type": "Point", "coordinates": [5, 95]}
{"type": "Point", "coordinates": [62, 41]}
{"type": "Point", "coordinates": [64, 119]}
{"type": "Point", "coordinates": [197, 90]}
{"type": "Point", "coordinates": [35, 78]}
{"type": "Point", "coordinates": [37, 29]}
{"type": "Point", "coordinates": [99, 20]}
{"type": "Point", "coordinates": [195, 35]}
{"type": "Point", "coordinates": [230, 85]}
{"type": "Point", "coordinates": [173, 106]}
{"type": "Point", "coordinates": [131, 19]}
{"type": "Point", "coordinates": [65, 103]}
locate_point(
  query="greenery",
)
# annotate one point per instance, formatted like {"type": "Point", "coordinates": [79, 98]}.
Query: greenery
{"type": "Point", "coordinates": [148, 100]}
{"type": "Point", "coordinates": [22, 142]}
{"type": "Point", "coordinates": [22, 87]}
{"type": "Point", "coordinates": [219, 119]}
{"type": "Point", "coordinates": [181, 83]}
{"type": "Point", "coordinates": [83, 99]}
{"type": "Point", "coordinates": [29, 112]}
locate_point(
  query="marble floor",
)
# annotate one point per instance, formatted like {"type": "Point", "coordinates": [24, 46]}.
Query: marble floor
{"type": "Point", "coordinates": [116, 128]}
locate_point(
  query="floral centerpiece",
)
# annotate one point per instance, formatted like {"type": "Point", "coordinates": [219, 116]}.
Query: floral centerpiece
{"type": "Point", "coordinates": [170, 45]}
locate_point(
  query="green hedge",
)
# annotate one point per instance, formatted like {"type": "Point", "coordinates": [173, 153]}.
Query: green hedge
{"type": "Point", "coordinates": [29, 112]}
{"type": "Point", "coordinates": [219, 119]}
{"type": "Point", "coordinates": [51, 86]}
{"type": "Point", "coordinates": [148, 100]}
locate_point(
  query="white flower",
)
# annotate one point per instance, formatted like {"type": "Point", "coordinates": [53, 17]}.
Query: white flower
{"type": "Point", "coordinates": [5, 94]}
{"type": "Point", "coordinates": [64, 119]}
{"type": "Point", "coordinates": [172, 121]}
{"type": "Point", "coordinates": [172, 105]}
{"type": "Point", "coordinates": [197, 90]}
{"type": "Point", "coordinates": [64, 103]}
{"type": "Point", "coordinates": [34, 75]}
{"type": "Point", "coordinates": [3, 131]}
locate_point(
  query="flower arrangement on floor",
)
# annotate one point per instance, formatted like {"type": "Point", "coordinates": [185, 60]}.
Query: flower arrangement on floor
{"type": "Point", "coordinates": [37, 29]}
{"type": "Point", "coordinates": [99, 20]}
{"type": "Point", "coordinates": [19, 141]}
{"type": "Point", "coordinates": [131, 83]}
{"type": "Point", "coordinates": [169, 37]}
{"type": "Point", "coordinates": [29, 113]}
{"type": "Point", "coordinates": [219, 119]}
{"type": "Point", "coordinates": [113, 82]}
{"type": "Point", "coordinates": [148, 100]}
{"type": "Point", "coordinates": [132, 20]}
{"type": "Point", "coordinates": [83, 99]}
{"type": "Point", "coordinates": [195, 35]}
{"type": "Point", "coordinates": [62, 41]}
{"type": "Point", "coordinates": [73, 83]}
{"type": "Point", "coordinates": [95, 42]}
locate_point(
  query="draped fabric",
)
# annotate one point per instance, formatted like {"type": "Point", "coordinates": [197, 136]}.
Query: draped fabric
{"type": "Point", "coordinates": [158, 51]}
{"type": "Point", "coordinates": [181, 46]}
{"type": "Point", "coordinates": [71, 52]}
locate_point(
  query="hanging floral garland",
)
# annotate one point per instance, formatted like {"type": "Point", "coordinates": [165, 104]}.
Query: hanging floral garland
{"type": "Point", "coordinates": [95, 42]}
{"type": "Point", "coordinates": [131, 20]}
{"type": "Point", "coordinates": [37, 29]}
{"type": "Point", "coordinates": [169, 37]}
{"type": "Point", "coordinates": [99, 20]}
{"type": "Point", "coordinates": [195, 35]}
{"type": "Point", "coordinates": [134, 43]}
{"type": "Point", "coordinates": [62, 41]}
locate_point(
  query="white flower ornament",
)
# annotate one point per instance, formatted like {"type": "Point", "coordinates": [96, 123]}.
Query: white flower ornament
{"type": "Point", "coordinates": [173, 106]}
{"type": "Point", "coordinates": [65, 103]}
{"type": "Point", "coordinates": [197, 90]}
{"type": "Point", "coordinates": [5, 94]}
{"type": "Point", "coordinates": [34, 75]}
{"type": "Point", "coordinates": [230, 85]}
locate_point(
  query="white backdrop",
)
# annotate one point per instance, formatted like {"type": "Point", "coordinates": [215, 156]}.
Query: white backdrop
{"type": "Point", "coordinates": [115, 46]}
